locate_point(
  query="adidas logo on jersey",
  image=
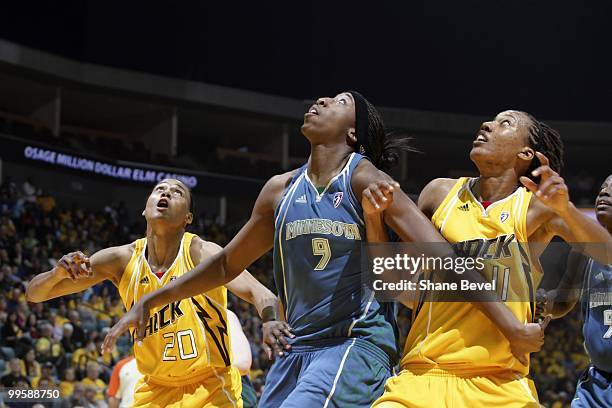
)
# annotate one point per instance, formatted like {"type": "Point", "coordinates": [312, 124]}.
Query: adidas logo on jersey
{"type": "Point", "coordinates": [464, 207]}
{"type": "Point", "coordinates": [301, 199]}
{"type": "Point", "coordinates": [144, 280]}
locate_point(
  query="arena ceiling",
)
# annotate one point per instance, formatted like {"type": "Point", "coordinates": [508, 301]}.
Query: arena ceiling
{"type": "Point", "coordinates": [477, 57]}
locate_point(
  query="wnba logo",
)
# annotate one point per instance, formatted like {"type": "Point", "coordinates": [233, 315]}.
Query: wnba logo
{"type": "Point", "coordinates": [504, 216]}
{"type": "Point", "coordinates": [338, 199]}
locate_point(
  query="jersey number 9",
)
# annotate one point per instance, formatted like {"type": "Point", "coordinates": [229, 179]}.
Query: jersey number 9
{"type": "Point", "coordinates": [320, 247]}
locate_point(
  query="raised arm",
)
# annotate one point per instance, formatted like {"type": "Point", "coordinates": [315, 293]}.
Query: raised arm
{"type": "Point", "coordinates": [249, 289]}
{"type": "Point", "coordinates": [245, 286]}
{"type": "Point", "coordinates": [407, 220]}
{"type": "Point", "coordinates": [252, 241]}
{"type": "Point", "coordinates": [76, 272]}
{"type": "Point", "coordinates": [553, 214]}
{"type": "Point", "coordinates": [561, 300]}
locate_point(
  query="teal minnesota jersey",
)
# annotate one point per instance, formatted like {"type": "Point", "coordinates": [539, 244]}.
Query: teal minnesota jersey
{"type": "Point", "coordinates": [317, 264]}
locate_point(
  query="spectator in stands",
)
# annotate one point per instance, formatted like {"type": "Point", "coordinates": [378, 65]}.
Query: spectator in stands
{"type": "Point", "coordinates": [91, 398]}
{"type": "Point", "coordinates": [92, 380]}
{"type": "Point", "coordinates": [5, 281]}
{"type": "Point", "coordinates": [78, 334]}
{"type": "Point", "coordinates": [30, 241]}
{"type": "Point", "coordinates": [29, 190]}
{"type": "Point", "coordinates": [15, 374]}
{"type": "Point", "coordinates": [11, 330]}
{"type": "Point", "coordinates": [3, 311]}
{"type": "Point", "coordinates": [61, 317]}
{"type": "Point", "coordinates": [31, 327]}
{"type": "Point", "coordinates": [78, 397]}
{"type": "Point", "coordinates": [31, 367]}
{"type": "Point", "coordinates": [46, 202]}
{"type": "Point", "coordinates": [67, 385]}
{"type": "Point", "coordinates": [40, 312]}
{"type": "Point", "coordinates": [48, 347]}
{"type": "Point", "coordinates": [67, 340]}
{"type": "Point", "coordinates": [45, 375]}
{"type": "Point", "coordinates": [4, 257]}
{"type": "Point", "coordinates": [84, 355]}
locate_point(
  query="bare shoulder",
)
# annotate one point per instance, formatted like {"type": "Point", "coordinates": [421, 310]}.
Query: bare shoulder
{"type": "Point", "coordinates": [111, 262]}
{"type": "Point", "coordinates": [200, 249]}
{"type": "Point", "coordinates": [441, 184]}
{"type": "Point", "coordinates": [117, 255]}
{"type": "Point", "coordinates": [272, 191]}
{"type": "Point", "coordinates": [434, 193]}
{"type": "Point", "coordinates": [364, 174]}
{"type": "Point", "coordinates": [365, 168]}
{"type": "Point", "coordinates": [281, 181]}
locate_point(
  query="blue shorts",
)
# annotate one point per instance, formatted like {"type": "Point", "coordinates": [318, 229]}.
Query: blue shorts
{"type": "Point", "coordinates": [331, 373]}
{"type": "Point", "coordinates": [594, 389]}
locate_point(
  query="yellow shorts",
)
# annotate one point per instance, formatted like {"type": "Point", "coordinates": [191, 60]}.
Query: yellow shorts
{"type": "Point", "coordinates": [221, 390]}
{"type": "Point", "coordinates": [439, 388]}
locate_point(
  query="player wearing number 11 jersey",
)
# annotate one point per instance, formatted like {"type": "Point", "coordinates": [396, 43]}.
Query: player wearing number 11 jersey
{"type": "Point", "coordinates": [453, 356]}
{"type": "Point", "coordinates": [185, 354]}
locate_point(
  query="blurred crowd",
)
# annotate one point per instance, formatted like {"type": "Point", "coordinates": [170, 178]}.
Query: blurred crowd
{"type": "Point", "coordinates": [57, 343]}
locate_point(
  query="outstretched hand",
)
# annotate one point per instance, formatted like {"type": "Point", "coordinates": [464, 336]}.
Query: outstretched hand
{"type": "Point", "coordinates": [552, 190]}
{"type": "Point", "coordinates": [275, 334]}
{"type": "Point", "coordinates": [137, 317]}
{"type": "Point", "coordinates": [544, 305]}
{"type": "Point", "coordinates": [74, 266]}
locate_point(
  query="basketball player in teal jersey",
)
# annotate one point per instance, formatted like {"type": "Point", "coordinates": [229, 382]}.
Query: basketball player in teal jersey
{"type": "Point", "coordinates": [589, 282]}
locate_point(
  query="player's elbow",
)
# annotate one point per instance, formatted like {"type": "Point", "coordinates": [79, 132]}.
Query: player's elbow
{"type": "Point", "coordinates": [243, 363]}
{"type": "Point", "coordinates": [31, 294]}
{"type": "Point", "coordinates": [560, 309]}
{"type": "Point", "coordinates": [228, 271]}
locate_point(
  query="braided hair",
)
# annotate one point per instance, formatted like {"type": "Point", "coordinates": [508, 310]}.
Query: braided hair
{"type": "Point", "coordinates": [373, 140]}
{"type": "Point", "coordinates": [546, 140]}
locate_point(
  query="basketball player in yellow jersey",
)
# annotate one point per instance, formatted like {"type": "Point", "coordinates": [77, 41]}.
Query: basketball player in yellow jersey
{"type": "Point", "coordinates": [185, 355]}
{"type": "Point", "coordinates": [453, 356]}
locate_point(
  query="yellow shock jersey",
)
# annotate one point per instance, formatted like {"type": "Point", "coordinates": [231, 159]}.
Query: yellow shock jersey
{"type": "Point", "coordinates": [456, 336]}
{"type": "Point", "coordinates": [184, 341]}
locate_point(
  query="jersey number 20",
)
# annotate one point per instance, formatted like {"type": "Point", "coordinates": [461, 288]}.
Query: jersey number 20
{"type": "Point", "coordinates": [180, 336]}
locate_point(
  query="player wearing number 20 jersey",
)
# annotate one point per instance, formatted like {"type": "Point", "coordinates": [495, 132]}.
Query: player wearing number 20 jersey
{"type": "Point", "coordinates": [185, 342]}
{"type": "Point", "coordinates": [192, 333]}
{"type": "Point", "coordinates": [185, 353]}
